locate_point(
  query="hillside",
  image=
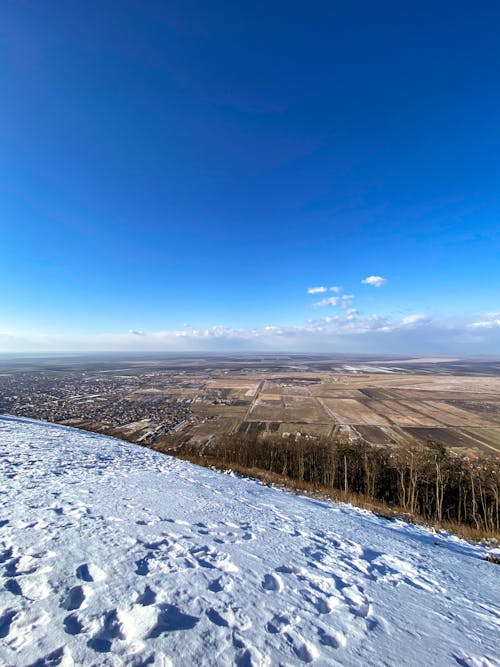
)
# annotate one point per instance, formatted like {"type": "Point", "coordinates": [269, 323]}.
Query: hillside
{"type": "Point", "coordinates": [113, 554]}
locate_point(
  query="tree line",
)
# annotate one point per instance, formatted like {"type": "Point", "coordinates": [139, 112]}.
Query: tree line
{"type": "Point", "coordinates": [425, 480]}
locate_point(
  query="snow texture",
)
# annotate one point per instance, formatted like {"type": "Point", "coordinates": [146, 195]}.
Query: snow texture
{"type": "Point", "coordinates": [116, 555]}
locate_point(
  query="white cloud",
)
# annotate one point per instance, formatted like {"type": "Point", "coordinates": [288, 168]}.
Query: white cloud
{"type": "Point", "coordinates": [375, 281]}
{"type": "Point", "coordinates": [328, 301]}
{"type": "Point", "coordinates": [489, 321]}
{"type": "Point", "coordinates": [322, 289]}
{"type": "Point", "coordinates": [347, 331]}
{"type": "Point", "coordinates": [346, 300]}
{"type": "Point", "coordinates": [413, 320]}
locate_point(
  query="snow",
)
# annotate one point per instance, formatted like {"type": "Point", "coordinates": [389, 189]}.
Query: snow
{"type": "Point", "coordinates": [116, 555]}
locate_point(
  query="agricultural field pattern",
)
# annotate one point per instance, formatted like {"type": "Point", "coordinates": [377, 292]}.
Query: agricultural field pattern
{"type": "Point", "coordinates": [168, 400]}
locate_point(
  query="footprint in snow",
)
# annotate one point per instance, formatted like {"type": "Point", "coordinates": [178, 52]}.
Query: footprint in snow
{"type": "Point", "coordinates": [211, 559]}
{"type": "Point", "coordinates": [13, 587]}
{"type": "Point", "coordinates": [147, 598]}
{"type": "Point", "coordinates": [159, 545]}
{"type": "Point", "coordinates": [72, 625]}
{"type": "Point", "coordinates": [217, 619]}
{"type": "Point", "coordinates": [278, 623]}
{"type": "Point", "coordinates": [324, 605]}
{"type": "Point", "coordinates": [272, 582]}
{"type": "Point", "coordinates": [335, 639]}
{"type": "Point", "coordinates": [250, 657]}
{"type": "Point", "coordinates": [61, 656]}
{"type": "Point", "coordinates": [216, 585]}
{"type": "Point", "coordinates": [111, 629]}
{"type": "Point", "coordinates": [170, 619]}
{"type": "Point", "coordinates": [304, 650]}
{"type": "Point", "coordinates": [6, 554]}
{"type": "Point", "coordinates": [5, 622]}
{"type": "Point", "coordinates": [362, 610]}
{"type": "Point", "coordinates": [142, 565]}
{"type": "Point", "coordinates": [74, 599]}
{"type": "Point", "coordinates": [89, 572]}
{"type": "Point", "coordinates": [30, 589]}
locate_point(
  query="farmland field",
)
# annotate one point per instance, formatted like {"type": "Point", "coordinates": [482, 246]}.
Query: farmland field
{"type": "Point", "coordinates": [398, 408]}
{"type": "Point", "coordinates": [174, 400]}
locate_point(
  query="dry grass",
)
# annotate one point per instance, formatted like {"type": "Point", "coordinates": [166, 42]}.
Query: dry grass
{"type": "Point", "coordinates": [493, 559]}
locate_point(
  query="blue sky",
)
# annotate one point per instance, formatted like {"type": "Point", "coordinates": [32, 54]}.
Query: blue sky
{"type": "Point", "coordinates": [188, 170]}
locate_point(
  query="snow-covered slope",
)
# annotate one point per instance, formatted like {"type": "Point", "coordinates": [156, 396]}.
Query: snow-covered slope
{"type": "Point", "coordinates": [113, 554]}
